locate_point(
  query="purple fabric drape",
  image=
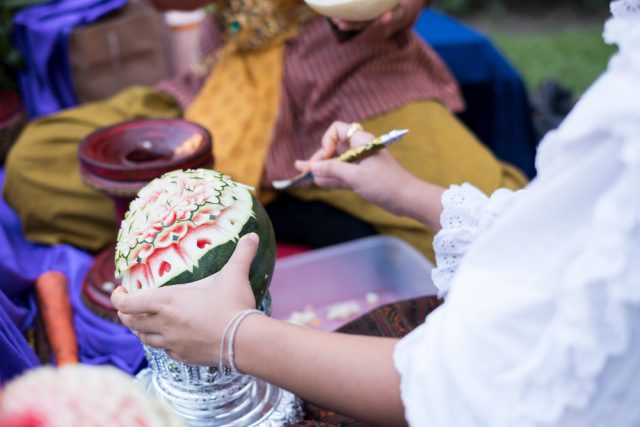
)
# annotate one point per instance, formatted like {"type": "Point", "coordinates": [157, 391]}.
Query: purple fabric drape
{"type": "Point", "coordinates": [21, 262]}
{"type": "Point", "coordinates": [16, 355]}
{"type": "Point", "coordinates": [41, 34]}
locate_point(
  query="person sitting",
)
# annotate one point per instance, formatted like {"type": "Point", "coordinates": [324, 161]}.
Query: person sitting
{"type": "Point", "coordinates": [541, 319]}
{"type": "Point", "coordinates": [277, 80]}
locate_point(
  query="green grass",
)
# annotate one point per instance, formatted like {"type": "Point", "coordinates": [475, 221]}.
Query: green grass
{"type": "Point", "coordinates": [574, 57]}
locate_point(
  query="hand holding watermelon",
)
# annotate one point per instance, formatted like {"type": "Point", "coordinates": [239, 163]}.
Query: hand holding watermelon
{"type": "Point", "coordinates": [189, 320]}
{"type": "Point", "coordinates": [186, 228]}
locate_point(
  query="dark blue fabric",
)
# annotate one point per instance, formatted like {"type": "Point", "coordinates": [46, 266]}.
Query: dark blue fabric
{"type": "Point", "coordinates": [498, 107]}
{"type": "Point", "coordinates": [41, 34]}
{"type": "Point", "coordinates": [21, 262]}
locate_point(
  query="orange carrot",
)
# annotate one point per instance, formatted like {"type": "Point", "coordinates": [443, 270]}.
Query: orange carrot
{"type": "Point", "coordinates": [57, 315]}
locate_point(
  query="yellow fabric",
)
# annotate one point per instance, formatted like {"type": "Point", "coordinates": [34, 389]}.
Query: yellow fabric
{"type": "Point", "coordinates": [44, 186]}
{"type": "Point", "coordinates": [239, 106]}
{"type": "Point", "coordinates": [43, 182]}
{"type": "Point", "coordinates": [438, 149]}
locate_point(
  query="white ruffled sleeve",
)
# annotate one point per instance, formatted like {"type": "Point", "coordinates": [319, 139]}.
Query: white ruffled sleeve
{"type": "Point", "coordinates": [542, 323]}
{"type": "Point", "coordinates": [466, 212]}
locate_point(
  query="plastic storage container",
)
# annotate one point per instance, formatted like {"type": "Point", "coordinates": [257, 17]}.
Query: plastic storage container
{"type": "Point", "coordinates": [333, 281]}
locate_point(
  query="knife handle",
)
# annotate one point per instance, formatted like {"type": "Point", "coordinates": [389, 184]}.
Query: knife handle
{"type": "Point", "coordinates": [358, 153]}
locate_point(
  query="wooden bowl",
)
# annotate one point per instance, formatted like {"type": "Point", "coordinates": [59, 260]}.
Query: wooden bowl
{"type": "Point", "coordinates": [352, 10]}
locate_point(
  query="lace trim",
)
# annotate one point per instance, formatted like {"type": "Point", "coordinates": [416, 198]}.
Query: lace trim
{"type": "Point", "coordinates": [625, 8]}
{"type": "Point", "coordinates": [466, 211]}
{"type": "Point", "coordinates": [591, 324]}
{"type": "Point", "coordinates": [624, 28]}
{"type": "Point", "coordinates": [462, 208]}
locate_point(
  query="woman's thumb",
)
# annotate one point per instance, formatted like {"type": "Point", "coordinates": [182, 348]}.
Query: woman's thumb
{"type": "Point", "coordinates": [244, 254]}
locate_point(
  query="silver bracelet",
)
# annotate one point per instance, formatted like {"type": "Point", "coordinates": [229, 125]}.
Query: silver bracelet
{"type": "Point", "coordinates": [232, 337]}
{"type": "Point", "coordinates": [224, 336]}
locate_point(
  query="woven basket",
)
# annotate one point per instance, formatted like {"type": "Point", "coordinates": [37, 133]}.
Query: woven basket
{"type": "Point", "coordinates": [12, 120]}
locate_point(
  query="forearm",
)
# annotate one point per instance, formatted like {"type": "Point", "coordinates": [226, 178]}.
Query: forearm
{"type": "Point", "coordinates": [351, 375]}
{"type": "Point", "coordinates": [421, 201]}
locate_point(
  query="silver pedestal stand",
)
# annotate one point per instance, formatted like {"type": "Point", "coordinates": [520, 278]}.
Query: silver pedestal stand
{"type": "Point", "coordinates": [207, 396]}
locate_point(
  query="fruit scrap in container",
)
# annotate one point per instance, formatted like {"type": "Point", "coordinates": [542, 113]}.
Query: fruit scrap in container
{"type": "Point", "coordinates": [307, 317]}
{"type": "Point", "coordinates": [343, 310]}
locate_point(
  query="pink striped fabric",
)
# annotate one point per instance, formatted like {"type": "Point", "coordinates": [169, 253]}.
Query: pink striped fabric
{"type": "Point", "coordinates": [325, 81]}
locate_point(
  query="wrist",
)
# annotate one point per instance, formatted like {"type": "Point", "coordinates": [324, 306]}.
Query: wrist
{"type": "Point", "coordinates": [226, 354]}
{"type": "Point", "coordinates": [403, 191]}
{"type": "Point", "coordinates": [248, 343]}
{"type": "Point", "coordinates": [421, 201]}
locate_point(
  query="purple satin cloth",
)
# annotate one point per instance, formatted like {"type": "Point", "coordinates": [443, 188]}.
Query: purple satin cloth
{"type": "Point", "coordinates": [41, 34]}
{"type": "Point", "coordinates": [15, 353]}
{"type": "Point", "coordinates": [21, 262]}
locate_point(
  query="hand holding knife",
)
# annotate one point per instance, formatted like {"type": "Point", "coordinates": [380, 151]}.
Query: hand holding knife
{"type": "Point", "coordinates": [352, 155]}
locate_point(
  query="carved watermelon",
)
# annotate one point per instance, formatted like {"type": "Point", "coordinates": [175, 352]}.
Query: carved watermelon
{"type": "Point", "coordinates": [184, 226]}
{"type": "Point", "coordinates": [81, 395]}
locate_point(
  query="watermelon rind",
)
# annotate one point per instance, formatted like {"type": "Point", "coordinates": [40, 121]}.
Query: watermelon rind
{"type": "Point", "coordinates": [185, 225]}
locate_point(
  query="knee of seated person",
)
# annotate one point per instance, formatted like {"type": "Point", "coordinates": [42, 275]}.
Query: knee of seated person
{"type": "Point", "coordinates": [13, 170]}
{"type": "Point", "coordinates": [51, 211]}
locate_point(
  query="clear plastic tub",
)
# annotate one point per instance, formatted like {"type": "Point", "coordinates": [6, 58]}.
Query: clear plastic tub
{"type": "Point", "coordinates": [365, 273]}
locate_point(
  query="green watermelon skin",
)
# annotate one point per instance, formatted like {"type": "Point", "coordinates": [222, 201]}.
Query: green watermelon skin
{"type": "Point", "coordinates": [184, 227]}
{"type": "Point", "coordinates": [261, 270]}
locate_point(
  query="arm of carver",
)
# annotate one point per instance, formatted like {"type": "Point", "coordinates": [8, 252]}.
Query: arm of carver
{"type": "Point", "coordinates": [379, 179]}
{"type": "Point", "coordinates": [351, 375]}
{"type": "Point", "coordinates": [458, 214]}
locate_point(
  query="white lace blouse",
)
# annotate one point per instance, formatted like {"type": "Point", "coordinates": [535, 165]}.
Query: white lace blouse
{"type": "Point", "coordinates": [541, 324]}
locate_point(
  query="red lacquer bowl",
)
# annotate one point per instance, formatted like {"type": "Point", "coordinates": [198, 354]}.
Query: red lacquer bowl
{"type": "Point", "coordinates": [122, 158]}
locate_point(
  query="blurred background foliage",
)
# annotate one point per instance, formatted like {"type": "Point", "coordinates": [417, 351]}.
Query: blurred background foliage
{"type": "Point", "coordinates": [458, 7]}
{"type": "Point", "coordinates": [10, 60]}
{"type": "Point", "coordinates": [559, 40]}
